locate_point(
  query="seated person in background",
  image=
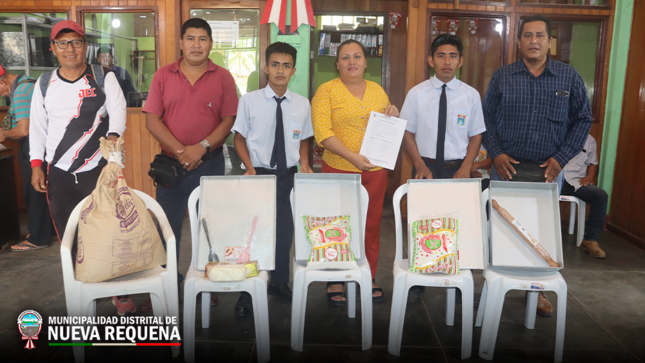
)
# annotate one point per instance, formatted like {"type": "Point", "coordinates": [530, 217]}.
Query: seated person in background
{"type": "Point", "coordinates": [481, 166]}
{"type": "Point", "coordinates": [579, 175]}
{"type": "Point", "coordinates": [125, 81]}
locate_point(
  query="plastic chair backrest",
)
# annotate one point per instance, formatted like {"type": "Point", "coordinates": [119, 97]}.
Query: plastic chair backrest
{"type": "Point", "coordinates": [487, 208]}
{"type": "Point", "coordinates": [398, 223]}
{"type": "Point", "coordinates": [72, 224]}
{"type": "Point", "coordinates": [193, 204]}
{"type": "Point", "coordinates": [327, 195]}
{"type": "Point", "coordinates": [444, 197]}
{"type": "Point", "coordinates": [229, 204]}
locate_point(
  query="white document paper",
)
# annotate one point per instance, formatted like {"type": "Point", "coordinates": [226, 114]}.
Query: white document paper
{"type": "Point", "coordinates": [225, 32]}
{"type": "Point", "coordinates": [382, 140]}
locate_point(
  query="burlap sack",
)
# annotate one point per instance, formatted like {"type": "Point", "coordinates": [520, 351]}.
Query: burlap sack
{"type": "Point", "coordinates": [116, 233]}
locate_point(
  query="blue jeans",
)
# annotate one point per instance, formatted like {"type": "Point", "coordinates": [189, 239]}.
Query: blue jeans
{"type": "Point", "coordinates": [597, 199]}
{"type": "Point", "coordinates": [174, 201]}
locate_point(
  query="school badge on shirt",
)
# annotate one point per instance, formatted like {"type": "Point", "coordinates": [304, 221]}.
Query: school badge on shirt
{"type": "Point", "coordinates": [296, 134]}
{"type": "Point", "coordinates": [461, 120]}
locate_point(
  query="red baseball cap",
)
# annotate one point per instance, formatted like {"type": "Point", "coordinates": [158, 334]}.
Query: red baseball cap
{"type": "Point", "coordinates": [67, 24]}
{"type": "Point", "coordinates": [1, 71]}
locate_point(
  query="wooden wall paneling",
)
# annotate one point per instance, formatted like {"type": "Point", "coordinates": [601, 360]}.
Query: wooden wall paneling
{"type": "Point", "coordinates": [627, 211]}
{"type": "Point", "coordinates": [144, 159]}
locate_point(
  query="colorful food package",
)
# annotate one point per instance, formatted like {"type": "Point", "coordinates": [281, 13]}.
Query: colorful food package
{"type": "Point", "coordinates": [330, 239]}
{"type": "Point", "coordinates": [116, 234]}
{"type": "Point", "coordinates": [435, 244]}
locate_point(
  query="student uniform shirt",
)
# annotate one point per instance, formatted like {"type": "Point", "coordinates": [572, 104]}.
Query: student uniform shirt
{"type": "Point", "coordinates": [464, 117]}
{"type": "Point", "coordinates": [256, 121]}
{"type": "Point", "coordinates": [66, 129]}
{"type": "Point", "coordinates": [576, 169]}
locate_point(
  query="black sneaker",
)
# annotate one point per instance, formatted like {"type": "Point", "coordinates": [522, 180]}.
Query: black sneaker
{"type": "Point", "coordinates": [283, 291]}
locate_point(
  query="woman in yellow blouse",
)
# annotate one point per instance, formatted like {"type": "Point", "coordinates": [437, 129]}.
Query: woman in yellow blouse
{"type": "Point", "coordinates": [340, 111]}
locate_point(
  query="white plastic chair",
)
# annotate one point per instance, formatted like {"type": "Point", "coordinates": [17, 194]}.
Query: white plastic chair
{"type": "Point", "coordinates": [159, 282]}
{"type": "Point", "coordinates": [582, 209]}
{"type": "Point", "coordinates": [196, 282]}
{"type": "Point", "coordinates": [302, 277]}
{"type": "Point", "coordinates": [404, 280]}
{"type": "Point", "coordinates": [497, 284]}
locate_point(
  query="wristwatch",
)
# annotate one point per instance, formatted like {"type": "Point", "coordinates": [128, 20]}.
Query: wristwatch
{"type": "Point", "coordinates": [206, 145]}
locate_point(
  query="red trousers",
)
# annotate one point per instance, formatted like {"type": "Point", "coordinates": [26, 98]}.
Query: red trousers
{"type": "Point", "coordinates": [376, 183]}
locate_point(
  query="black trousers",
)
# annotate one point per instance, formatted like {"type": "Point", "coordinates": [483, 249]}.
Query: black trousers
{"type": "Point", "coordinates": [597, 198]}
{"type": "Point", "coordinates": [65, 191]}
{"type": "Point", "coordinates": [284, 225]}
{"type": "Point", "coordinates": [447, 173]}
{"type": "Point", "coordinates": [40, 224]}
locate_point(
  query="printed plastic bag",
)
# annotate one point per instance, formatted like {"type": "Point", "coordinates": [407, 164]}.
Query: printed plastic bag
{"type": "Point", "coordinates": [435, 244]}
{"type": "Point", "coordinates": [330, 242]}
{"type": "Point", "coordinates": [116, 233]}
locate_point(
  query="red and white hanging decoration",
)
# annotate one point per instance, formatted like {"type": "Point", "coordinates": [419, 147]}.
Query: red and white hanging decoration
{"type": "Point", "coordinates": [472, 25]}
{"type": "Point", "coordinates": [275, 12]}
{"type": "Point", "coordinates": [453, 26]}
{"type": "Point", "coordinates": [435, 26]}
{"type": "Point", "coordinates": [395, 19]}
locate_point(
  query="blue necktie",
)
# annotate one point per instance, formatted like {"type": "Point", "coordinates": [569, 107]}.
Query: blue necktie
{"type": "Point", "coordinates": [279, 156]}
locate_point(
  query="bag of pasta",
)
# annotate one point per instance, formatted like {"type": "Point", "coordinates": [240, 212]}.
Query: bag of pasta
{"type": "Point", "coordinates": [435, 245]}
{"type": "Point", "coordinates": [330, 239]}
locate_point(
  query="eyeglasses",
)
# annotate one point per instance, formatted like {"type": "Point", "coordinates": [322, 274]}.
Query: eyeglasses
{"type": "Point", "coordinates": [62, 44]}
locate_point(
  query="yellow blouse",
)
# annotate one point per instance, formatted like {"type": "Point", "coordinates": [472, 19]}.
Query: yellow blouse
{"type": "Point", "coordinates": [337, 112]}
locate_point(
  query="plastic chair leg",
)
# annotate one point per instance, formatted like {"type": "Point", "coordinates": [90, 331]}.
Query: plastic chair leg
{"type": "Point", "coordinates": [492, 316]}
{"type": "Point", "coordinates": [206, 310]}
{"type": "Point", "coordinates": [298, 309]}
{"type": "Point", "coordinates": [158, 308]}
{"type": "Point", "coordinates": [351, 299]}
{"type": "Point", "coordinates": [531, 308]}
{"type": "Point", "coordinates": [190, 306]}
{"type": "Point", "coordinates": [450, 305]}
{"type": "Point", "coordinates": [582, 210]}
{"type": "Point", "coordinates": [397, 314]}
{"type": "Point", "coordinates": [261, 317]}
{"type": "Point", "coordinates": [562, 318]}
{"type": "Point", "coordinates": [467, 297]}
{"type": "Point", "coordinates": [572, 216]}
{"type": "Point", "coordinates": [366, 309]}
{"type": "Point", "coordinates": [482, 305]}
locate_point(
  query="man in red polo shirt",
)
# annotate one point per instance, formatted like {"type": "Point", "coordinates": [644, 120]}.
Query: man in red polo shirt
{"type": "Point", "coordinates": [190, 110]}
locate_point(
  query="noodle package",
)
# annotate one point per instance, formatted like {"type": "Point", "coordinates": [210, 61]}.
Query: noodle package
{"type": "Point", "coordinates": [330, 239]}
{"type": "Point", "coordinates": [435, 245]}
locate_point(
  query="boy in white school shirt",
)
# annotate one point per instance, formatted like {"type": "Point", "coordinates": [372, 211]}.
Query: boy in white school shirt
{"type": "Point", "coordinates": [445, 121]}
{"type": "Point", "coordinates": [256, 128]}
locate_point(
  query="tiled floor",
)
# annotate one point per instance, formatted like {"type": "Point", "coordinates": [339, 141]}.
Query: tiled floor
{"type": "Point", "coordinates": [605, 316]}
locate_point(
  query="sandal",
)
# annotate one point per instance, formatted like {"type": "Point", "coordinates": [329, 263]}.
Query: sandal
{"type": "Point", "coordinates": [29, 247]}
{"type": "Point", "coordinates": [377, 299]}
{"type": "Point", "coordinates": [336, 303]}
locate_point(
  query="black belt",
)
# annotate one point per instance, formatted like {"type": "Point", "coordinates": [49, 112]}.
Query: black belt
{"type": "Point", "coordinates": [448, 164]}
{"type": "Point", "coordinates": [209, 155]}
{"type": "Point", "coordinates": [291, 170]}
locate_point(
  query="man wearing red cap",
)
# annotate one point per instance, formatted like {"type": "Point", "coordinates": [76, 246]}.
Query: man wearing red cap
{"type": "Point", "coordinates": [73, 108]}
{"type": "Point", "coordinates": [19, 89]}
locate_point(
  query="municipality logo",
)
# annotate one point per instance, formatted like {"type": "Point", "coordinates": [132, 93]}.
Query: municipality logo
{"type": "Point", "coordinates": [29, 324]}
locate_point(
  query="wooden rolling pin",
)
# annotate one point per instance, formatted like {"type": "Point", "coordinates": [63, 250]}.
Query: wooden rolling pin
{"type": "Point", "coordinates": [525, 235]}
